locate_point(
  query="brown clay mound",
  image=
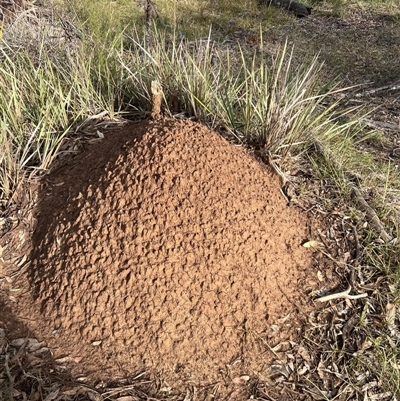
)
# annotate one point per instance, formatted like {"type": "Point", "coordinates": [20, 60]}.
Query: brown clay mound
{"type": "Point", "coordinates": [172, 247]}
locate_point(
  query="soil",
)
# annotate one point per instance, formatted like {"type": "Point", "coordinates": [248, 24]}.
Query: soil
{"type": "Point", "coordinates": [164, 247]}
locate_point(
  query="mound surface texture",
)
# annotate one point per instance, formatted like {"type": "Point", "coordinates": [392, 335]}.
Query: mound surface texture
{"type": "Point", "coordinates": [171, 247]}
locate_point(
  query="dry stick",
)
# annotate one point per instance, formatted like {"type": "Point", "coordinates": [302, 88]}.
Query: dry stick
{"type": "Point", "coordinates": [371, 214]}
{"type": "Point", "coordinates": [358, 247]}
{"type": "Point", "coordinates": [381, 125]}
{"type": "Point", "coordinates": [343, 294]}
{"type": "Point", "coordinates": [8, 373]}
{"type": "Point", "coordinates": [392, 87]}
{"type": "Point", "coordinates": [156, 99]}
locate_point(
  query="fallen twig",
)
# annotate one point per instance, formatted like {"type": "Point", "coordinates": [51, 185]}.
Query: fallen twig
{"type": "Point", "coordinates": [370, 213]}
{"type": "Point", "coordinates": [381, 125]}
{"type": "Point", "coordinates": [391, 87]}
{"type": "Point", "coordinates": [343, 294]}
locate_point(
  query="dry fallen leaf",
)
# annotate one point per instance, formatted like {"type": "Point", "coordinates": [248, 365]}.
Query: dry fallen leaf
{"type": "Point", "coordinates": [283, 319]}
{"type": "Point", "coordinates": [187, 396]}
{"type": "Point", "coordinates": [390, 314]}
{"type": "Point", "coordinates": [320, 276]}
{"type": "Point", "coordinates": [240, 380]}
{"type": "Point", "coordinates": [16, 393]}
{"type": "Point", "coordinates": [303, 370]}
{"type": "Point", "coordinates": [321, 369]}
{"type": "Point", "coordinates": [32, 344]}
{"type": "Point", "coordinates": [63, 360]}
{"type": "Point", "coordinates": [73, 391]}
{"type": "Point", "coordinates": [279, 370]}
{"type": "Point", "coordinates": [53, 395]}
{"type": "Point", "coordinates": [33, 360]}
{"type": "Point", "coordinates": [381, 396]}
{"type": "Point", "coordinates": [313, 244]}
{"type": "Point", "coordinates": [304, 354]}
{"type": "Point", "coordinates": [369, 385]}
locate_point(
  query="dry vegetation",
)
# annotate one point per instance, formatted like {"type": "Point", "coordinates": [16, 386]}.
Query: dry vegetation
{"type": "Point", "coordinates": [67, 67]}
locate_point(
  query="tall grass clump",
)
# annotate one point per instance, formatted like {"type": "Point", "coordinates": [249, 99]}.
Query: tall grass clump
{"type": "Point", "coordinates": [42, 96]}
{"type": "Point", "coordinates": [275, 105]}
{"type": "Point", "coordinates": [34, 104]}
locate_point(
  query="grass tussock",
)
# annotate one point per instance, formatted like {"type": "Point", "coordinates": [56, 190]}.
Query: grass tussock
{"type": "Point", "coordinates": [44, 95]}
{"type": "Point", "coordinates": [276, 106]}
{"type": "Point", "coordinates": [41, 98]}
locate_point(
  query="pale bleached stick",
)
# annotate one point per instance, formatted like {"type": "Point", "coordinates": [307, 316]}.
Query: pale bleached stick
{"type": "Point", "coordinates": [343, 294]}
